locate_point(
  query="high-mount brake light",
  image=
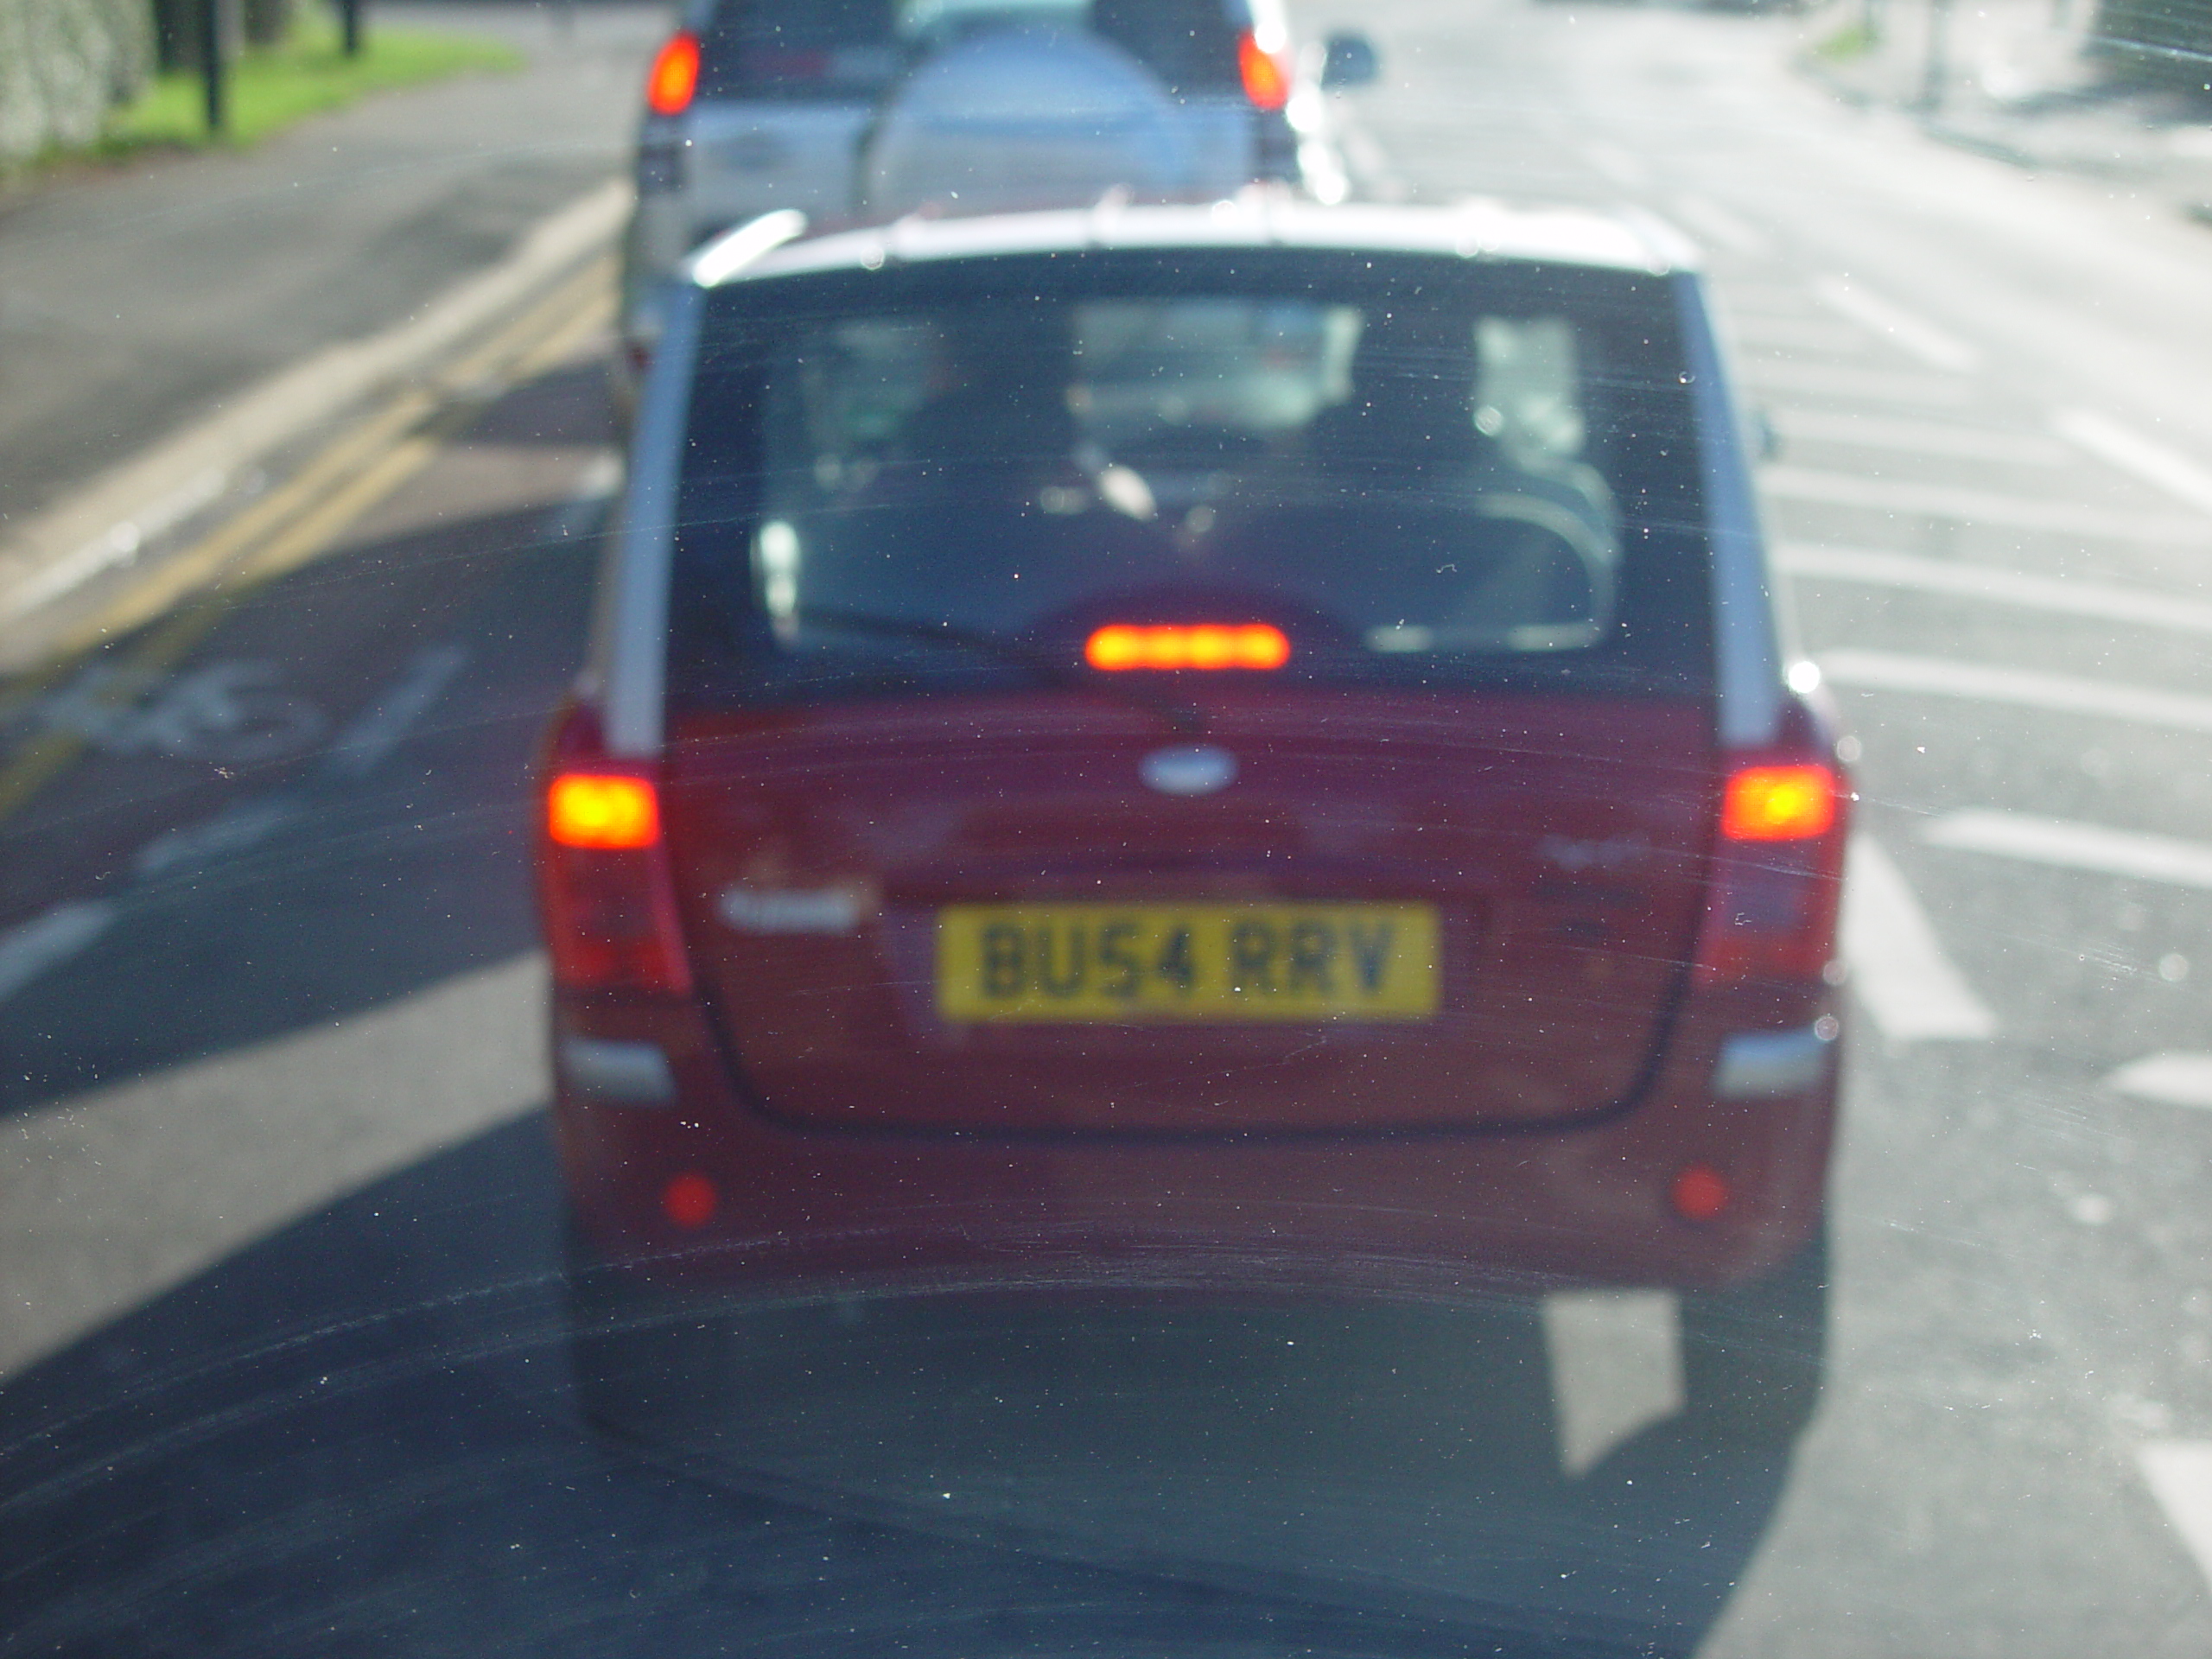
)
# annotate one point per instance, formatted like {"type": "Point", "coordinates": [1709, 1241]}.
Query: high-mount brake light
{"type": "Point", "coordinates": [1267, 77]}
{"type": "Point", "coordinates": [674, 78]}
{"type": "Point", "coordinates": [1121, 645]}
{"type": "Point", "coordinates": [609, 812]}
{"type": "Point", "coordinates": [1794, 802]}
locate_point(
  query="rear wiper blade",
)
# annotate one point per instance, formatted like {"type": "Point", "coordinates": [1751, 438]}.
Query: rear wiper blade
{"type": "Point", "coordinates": [1046, 666]}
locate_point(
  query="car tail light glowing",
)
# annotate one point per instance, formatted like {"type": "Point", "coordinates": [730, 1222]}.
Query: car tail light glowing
{"type": "Point", "coordinates": [611, 812]}
{"type": "Point", "coordinates": [1206, 645]}
{"type": "Point", "coordinates": [1778, 803]}
{"type": "Point", "coordinates": [674, 77]}
{"type": "Point", "coordinates": [1267, 77]}
{"type": "Point", "coordinates": [1777, 872]}
{"type": "Point", "coordinates": [604, 881]}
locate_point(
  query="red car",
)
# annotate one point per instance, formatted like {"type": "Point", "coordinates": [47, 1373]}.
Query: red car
{"type": "Point", "coordinates": [1236, 752]}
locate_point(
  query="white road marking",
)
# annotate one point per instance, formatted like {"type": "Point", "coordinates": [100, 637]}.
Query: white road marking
{"type": "Point", "coordinates": [48, 940]}
{"type": "Point", "coordinates": [1923, 339]}
{"type": "Point", "coordinates": [1616, 1359]}
{"type": "Point", "coordinates": [1873, 386]}
{"type": "Point", "coordinates": [2063, 595]}
{"type": "Point", "coordinates": [1899, 496]}
{"type": "Point", "coordinates": [235, 830]}
{"type": "Point", "coordinates": [1784, 335]}
{"type": "Point", "coordinates": [1921, 437]}
{"type": "Point", "coordinates": [2149, 460]}
{"type": "Point", "coordinates": [1717, 224]}
{"type": "Point", "coordinates": [379, 728]}
{"type": "Point", "coordinates": [110, 1198]}
{"type": "Point", "coordinates": [1897, 965]}
{"type": "Point", "coordinates": [118, 545]}
{"type": "Point", "coordinates": [2179, 1473]}
{"type": "Point", "coordinates": [2072, 846]}
{"type": "Point", "coordinates": [1616, 165]}
{"type": "Point", "coordinates": [2175, 1077]}
{"type": "Point", "coordinates": [1884, 670]}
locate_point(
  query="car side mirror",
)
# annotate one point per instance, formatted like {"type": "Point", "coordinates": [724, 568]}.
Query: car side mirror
{"type": "Point", "coordinates": [1349, 59]}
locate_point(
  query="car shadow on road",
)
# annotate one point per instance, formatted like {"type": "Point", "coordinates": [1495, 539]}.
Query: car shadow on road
{"type": "Point", "coordinates": [356, 1436]}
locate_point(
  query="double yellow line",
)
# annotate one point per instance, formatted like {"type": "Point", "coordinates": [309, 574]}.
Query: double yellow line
{"type": "Point", "coordinates": [299, 521]}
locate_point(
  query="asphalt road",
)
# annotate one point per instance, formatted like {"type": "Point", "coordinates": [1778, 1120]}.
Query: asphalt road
{"type": "Point", "coordinates": [276, 1213]}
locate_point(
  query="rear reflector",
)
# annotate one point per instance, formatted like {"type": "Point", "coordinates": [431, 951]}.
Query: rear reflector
{"type": "Point", "coordinates": [689, 1201]}
{"type": "Point", "coordinates": [1204, 645]}
{"type": "Point", "coordinates": [1267, 79]}
{"type": "Point", "coordinates": [1778, 803]}
{"type": "Point", "coordinates": [1699, 1193]}
{"type": "Point", "coordinates": [609, 812]}
{"type": "Point", "coordinates": [675, 75]}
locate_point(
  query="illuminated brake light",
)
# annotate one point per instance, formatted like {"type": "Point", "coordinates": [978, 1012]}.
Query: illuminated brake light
{"type": "Point", "coordinates": [1204, 645]}
{"type": "Point", "coordinates": [601, 812]}
{"type": "Point", "coordinates": [1267, 78]}
{"type": "Point", "coordinates": [1778, 803]}
{"type": "Point", "coordinates": [675, 75]}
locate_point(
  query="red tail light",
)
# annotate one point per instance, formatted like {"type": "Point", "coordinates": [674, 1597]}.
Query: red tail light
{"type": "Point", "coordinates": [605, 887]}
{"type": "Point", "coordinates": [1777, 872]}
{"type": "Point", "coordinates": [1266, 77]}
{"type": "Point", "coordinates": [674, 77]}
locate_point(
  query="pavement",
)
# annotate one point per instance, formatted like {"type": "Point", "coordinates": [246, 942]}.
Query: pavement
{"type": "Point", "coordinates": [2029, 84]}
{"type": "Point", "coordinates": [280, 1339]}
{"type": "Point", "coordinates": [142, 301]}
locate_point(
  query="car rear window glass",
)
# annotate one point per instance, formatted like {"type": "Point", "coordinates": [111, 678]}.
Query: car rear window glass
{"type": "Point", "coordinates": [1442, 483]}
{"type": "Point", "coordinates": [818, 49]}
{"type": "Point", "coordinates": [797, 48]}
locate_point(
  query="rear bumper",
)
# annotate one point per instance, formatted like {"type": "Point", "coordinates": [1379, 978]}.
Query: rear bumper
{"type": "Point", "coordinates": [1443, 1215]}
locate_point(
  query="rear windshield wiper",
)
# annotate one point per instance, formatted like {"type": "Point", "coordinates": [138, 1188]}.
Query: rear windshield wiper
{"type": "Point", "coordinates": [1043, 664]}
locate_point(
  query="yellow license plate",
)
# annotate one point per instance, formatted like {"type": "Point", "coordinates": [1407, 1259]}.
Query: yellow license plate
{"type": "Point", "coordinates": [1095, 964]}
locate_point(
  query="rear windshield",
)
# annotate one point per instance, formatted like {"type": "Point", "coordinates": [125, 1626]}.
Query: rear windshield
{"type": "Point", "coordinates": [830, 48]}
{"type": "Point", "coordinates": [1459, 478]}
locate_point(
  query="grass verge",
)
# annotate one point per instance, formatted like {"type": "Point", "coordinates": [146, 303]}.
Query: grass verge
{"type": "Point", "coordinates": [272, 88]}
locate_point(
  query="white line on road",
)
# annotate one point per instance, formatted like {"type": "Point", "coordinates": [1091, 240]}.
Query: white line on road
{"type": "Point", "coordinates": [1897, 496]}
{"type": "Point", "coordinates": [29, 949]}
{"type": "Point", "coordinates": [1923, 339]}
{"type": "Point", "coordinates": [235, 830]}
{"type": "Point", "coordinates": [1873, 386]}
{"type": "Point", "coordinates": [1616, 1360]}
{"type": "Point", "coordinates": [1884, 670]}
{"type": "Point", "coordinates": [379, 728]}
{"type": "Point", "coordinates": [2149, 460]}
{"type": "Point", "coordinates": [1921, 437]}
{"type": "Point", "coordinates": [1897, 965]}
{"type": "Point", "coordinates": [1717, 224]}
{"type": "Point", "coordinates": [2175, 1077]}
{"type": "Point", "coordinates": [2063, 595]}
{"type": "Point", "coordinates": [2073, 846]}
{"type": "Point", "coordinates": [1616, 165]}
{"type": "Point", "coordinates": [2179, 1473]}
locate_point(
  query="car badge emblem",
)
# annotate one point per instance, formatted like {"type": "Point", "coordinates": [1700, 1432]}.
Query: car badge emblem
{"type": "Point", "coordinates": [1195, 769]}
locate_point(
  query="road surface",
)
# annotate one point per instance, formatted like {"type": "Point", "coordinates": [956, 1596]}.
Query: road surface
{"type": "Point", "coordinates": [277, 1211]}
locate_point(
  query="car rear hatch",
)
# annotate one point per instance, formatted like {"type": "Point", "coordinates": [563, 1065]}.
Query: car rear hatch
{"type": "Point", "coordinates": [958, 848]}
{"type": "Point", "coordinates": [1401, 911]}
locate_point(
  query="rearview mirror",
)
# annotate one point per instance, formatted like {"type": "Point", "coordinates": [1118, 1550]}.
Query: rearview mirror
{"type": "Point", "coordinates": [1349, 60]}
